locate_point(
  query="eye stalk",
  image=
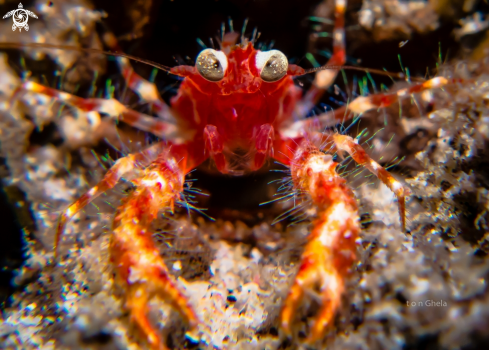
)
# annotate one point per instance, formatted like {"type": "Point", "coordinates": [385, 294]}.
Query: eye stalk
{"type": "Point", "coordinates": [272, 65]}
{"type": "Point", "coordinates": [212, 64]}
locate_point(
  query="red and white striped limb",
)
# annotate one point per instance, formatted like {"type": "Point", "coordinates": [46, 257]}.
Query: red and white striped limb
{"type": "Point", "coordinates": [325, 78]}
{"type": "Point", "coordinates": [347, 144]}
{"type": "Point", "coordinates": [121, 167]}
{"type": "Point", "coordinates": [364, 104]}
{"type": "Point", "coordinates": [111, 107]}
{"type": "Point", "coordinates": [146, 90]}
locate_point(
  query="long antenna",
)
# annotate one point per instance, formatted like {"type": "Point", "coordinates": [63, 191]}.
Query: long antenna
{"type": "Point", "coordinates": [84, 49]}
{"type": "Point", "coordinates": [9, 45]}
{"type": "Point", "coordinates": [368, 70]}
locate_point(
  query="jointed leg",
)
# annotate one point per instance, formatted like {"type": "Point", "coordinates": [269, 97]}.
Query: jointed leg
{"type": "Point", "coordinates": [146, 90]}
{"type": "Point", "coordinates": [364, 104]}
{"type": "Point", "coordinates": [111, 107]}
{"type": "Point", "coordinates": [133, 253]}
{"type": "Point", "coordinates": [348, 144]}
{"type": "Point", "coordinates": [330, 251]}
{"type": "Point", "coordinates": [121, 167]}
{"type": "Point", "coordinates": [140, 268]}
{"type": "Point", "coordinates": [325, 78]}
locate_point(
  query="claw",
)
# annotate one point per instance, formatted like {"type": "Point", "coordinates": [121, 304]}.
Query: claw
{"type": "Point", "coordinates": [137, 302]}
{"type": "Point", "coordinates": [138, 296]}
{"type": "Point", "coordinates": [142, 270]}
{"type": "Point", "coordinates": [330, 252]}
{"type": "Point", "coordinates": [316, 272]}
{"type": "Point", "coordinates": [140, 267]}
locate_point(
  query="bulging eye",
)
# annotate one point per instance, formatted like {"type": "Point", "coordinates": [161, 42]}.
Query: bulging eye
{"type": "Point", "coordinates": [272, 65]}
{"type": "Point", "coordinates": [212, 64]}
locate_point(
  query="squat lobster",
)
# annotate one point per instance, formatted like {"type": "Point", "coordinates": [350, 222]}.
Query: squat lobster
{"type": "Point", "coordinates": [238, 106]}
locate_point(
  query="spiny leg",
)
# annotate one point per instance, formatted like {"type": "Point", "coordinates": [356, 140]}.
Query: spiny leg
{"type": "Point", "coordinates": [146, 90]}
{"type": "Point", "coordinates": [358, 106]}
{"type": "Point", "coordinates": [120, 168]}
{"type": "Point", "coordinates": [133, 252]}
{"type": "Point", "coordinates": [331, 246]}
{"type": "Point", "coordinates": [330, 251]}
{"type": "Point", "coordinates": [364, 104]}
{"type": "Point", "coordinates": [325, 78]}
{"type": "Point", "coordinates": [349, 145]}
{"type": "Point", "coordinates": [140, 268]}
{"type": "Point", "coordinates": [111, 107]}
